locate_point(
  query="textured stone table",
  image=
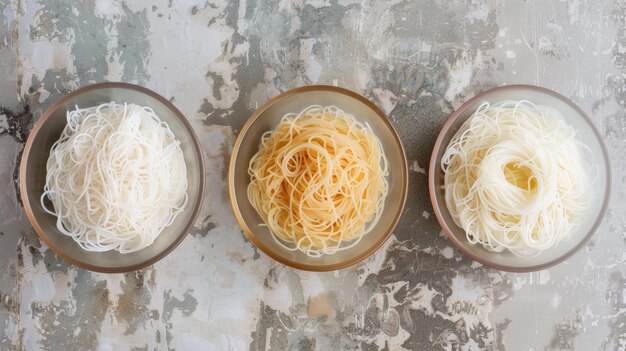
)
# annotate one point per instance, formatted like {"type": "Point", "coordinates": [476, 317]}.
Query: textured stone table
{"type": "Point", "coordinates": [219, 60]}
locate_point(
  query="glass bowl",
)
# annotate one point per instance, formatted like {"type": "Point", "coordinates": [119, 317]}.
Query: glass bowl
{"type": "Point", "coordinates": [601, 188]}
{"type": "Point", "coordinates": [265, 119]}
{"type": "Point", "coordinates": [33, 177]}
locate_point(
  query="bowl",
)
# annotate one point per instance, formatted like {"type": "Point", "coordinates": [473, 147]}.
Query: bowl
{"type": "Point", "coordinates": [264, 119]}
{"type": "Point", "coordinates": [33, 177]}
{"type": "Point", "coordinates": [601, 188]}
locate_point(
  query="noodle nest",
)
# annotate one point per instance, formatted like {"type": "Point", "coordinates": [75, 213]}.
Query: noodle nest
{"type": "Point", "coordinates": [515, 178]}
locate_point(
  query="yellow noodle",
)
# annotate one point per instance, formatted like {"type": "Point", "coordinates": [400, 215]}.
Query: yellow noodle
{"type": "Point", "coordinates": [318, 180]}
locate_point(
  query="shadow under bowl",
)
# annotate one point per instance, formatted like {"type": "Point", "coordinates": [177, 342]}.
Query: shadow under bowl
{"type": "Point", "coordinates": [601, 188]}
{"type": "Point", "coordinates": [266, 118]}
{"type": "Point", "coordinates": [48, 129]}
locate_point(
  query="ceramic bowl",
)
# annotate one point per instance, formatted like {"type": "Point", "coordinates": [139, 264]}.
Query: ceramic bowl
{"type": "Point", "coordinates": [265, 119]}
{"type": "Point", "coordinates": [587, 133]}
{"type": "Point", "coordinates": [33, 176]}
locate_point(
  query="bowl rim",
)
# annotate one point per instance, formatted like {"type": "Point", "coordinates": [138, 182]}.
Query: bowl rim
{"type": "Point", "coordinates": [231, 181]}
{"type": "Point", "coordinates": [433, 167]}
{"type": "Point", "coordinates": [29, 211]}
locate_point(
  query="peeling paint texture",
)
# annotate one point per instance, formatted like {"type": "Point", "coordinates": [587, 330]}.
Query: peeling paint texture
{"type": "Point", "coordinates": [217, 61]}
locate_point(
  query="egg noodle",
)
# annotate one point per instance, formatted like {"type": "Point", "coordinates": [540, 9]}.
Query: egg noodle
{"type": "Point", "coordinates": [319, 180]}
{"type": "Point", "coordinates": [515, 177]}
{"type": "Point", "coordinates": [116, 177]}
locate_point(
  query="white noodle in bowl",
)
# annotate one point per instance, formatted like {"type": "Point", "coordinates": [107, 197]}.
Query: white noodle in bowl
{"type": "Point", "coordinates": [516, 178]}
{"type": "Point", "coordinates": [115, 178]}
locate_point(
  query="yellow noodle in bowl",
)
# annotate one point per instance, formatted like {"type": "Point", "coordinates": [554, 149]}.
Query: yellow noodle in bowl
{"type": "Point", "coordinates": [318, 180]}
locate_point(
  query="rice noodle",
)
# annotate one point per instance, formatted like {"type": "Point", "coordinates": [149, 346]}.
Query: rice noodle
{"type": "Point", "coordinates": [515, 178]}
{"type": "Point", "coordinates": [116, 177]}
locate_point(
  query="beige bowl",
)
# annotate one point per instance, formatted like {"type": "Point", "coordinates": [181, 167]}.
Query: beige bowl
{"type": "Point", "coordinates": [33, 177]}
{"type": "Point", "coordinates": [265, 119]}
{"type": "Point", "coordinates": [587, 133]}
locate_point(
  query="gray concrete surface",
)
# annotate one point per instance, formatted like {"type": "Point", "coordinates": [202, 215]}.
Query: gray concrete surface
{"type": "Point", "coordinates": [217, 61]}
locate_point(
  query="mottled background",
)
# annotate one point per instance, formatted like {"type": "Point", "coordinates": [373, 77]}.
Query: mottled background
{"type": "Point", "coordinates": [217, 61]}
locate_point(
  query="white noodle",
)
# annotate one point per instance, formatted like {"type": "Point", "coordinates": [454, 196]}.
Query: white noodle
{"type": "Point", "coordinates": [515, 177]}
{"type": "Point", "coordinates": [116, 177]}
